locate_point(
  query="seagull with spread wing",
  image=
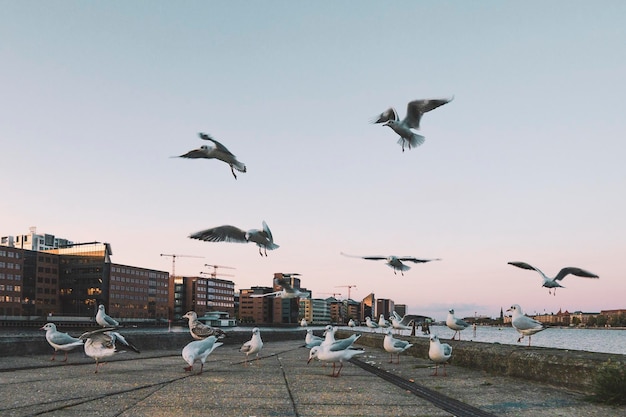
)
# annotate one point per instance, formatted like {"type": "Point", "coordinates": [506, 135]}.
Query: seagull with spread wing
{"type": "Point", "coordinates": [227, 233]}
{"type": "Point", "coordinates": [216, 151]}
{"type": "Point", "coordinates": [287, 292]}
{"type": "Point", "coordinates": [551, 283]}
{"type": "Point", "coordinates": [394, 262]}
{"type": "Point", "coordinates": [414, 112]}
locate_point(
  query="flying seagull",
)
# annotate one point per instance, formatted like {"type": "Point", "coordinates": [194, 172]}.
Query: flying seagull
{"type": "Point", "coordinates": [524, 324]}
{"type": "Point", "coordinates": [553, 282]}
{"type": "Point", "coordinates": [104, 320]}
{"type": "Point", "coordinates": [217, 151]}
{"type": "Point", "coordinates": [262, 238]}
{"type": "Point", "coordinates": [414, 112]}
{"type": "Point", "coordinates": [394, 262]}
{"type": "Point", "coordinates": [287, 292]}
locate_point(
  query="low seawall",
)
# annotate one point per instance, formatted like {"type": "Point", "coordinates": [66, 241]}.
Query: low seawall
{"type": "Point", "coordinates": [572, 369]}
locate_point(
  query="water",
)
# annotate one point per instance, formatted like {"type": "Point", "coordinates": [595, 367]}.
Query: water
{"type": "Point", "coordinates": [591, 340]}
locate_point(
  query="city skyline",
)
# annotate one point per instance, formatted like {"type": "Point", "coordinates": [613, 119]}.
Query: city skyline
{"type": "Point", "coordinates": [525, 164]}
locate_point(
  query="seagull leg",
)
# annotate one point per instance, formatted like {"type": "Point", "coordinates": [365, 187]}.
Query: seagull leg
{"type": "Point", "coordinates": [188, 368]}
{"type": "Point", "coordinates": [201, 367]}
{"type": "Point", "coordinates": [233, 171]}
{"type": "Point", "coordinates": [54, 355]}
{"type": "Point", "coordinates": [444, 370]}
{"type": "Point", "coordinates": [65, 359]}
{"type": "Point", "coordinates": [435, 373]}
{"type": "Point", "coordinates": [340, 368]}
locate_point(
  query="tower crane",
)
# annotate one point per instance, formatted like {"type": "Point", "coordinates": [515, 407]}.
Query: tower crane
{"type": "Point", "coordinates": [349, 287]}
{"type": "Point", "coordinates": [174, 256]}
{"type": "Point", "coordinates": [214, 273]}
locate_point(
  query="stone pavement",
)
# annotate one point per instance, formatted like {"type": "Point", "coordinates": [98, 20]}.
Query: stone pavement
{"type": "Point", "coordinates": [281, 383]}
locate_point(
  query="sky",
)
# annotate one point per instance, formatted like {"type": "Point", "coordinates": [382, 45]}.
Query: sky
{"type": "Point", "coordinates": [525, 164]}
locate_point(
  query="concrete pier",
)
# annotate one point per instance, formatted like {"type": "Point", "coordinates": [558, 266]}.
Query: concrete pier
{"type": "Point", "coordinates": [281, 383]}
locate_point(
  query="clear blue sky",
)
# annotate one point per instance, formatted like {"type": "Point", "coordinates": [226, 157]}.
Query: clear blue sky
{"type": "Point", "coordinates": [526, 164]}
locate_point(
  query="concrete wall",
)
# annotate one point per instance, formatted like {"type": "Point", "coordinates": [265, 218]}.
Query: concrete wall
{"type": "Point", "coordinates": [571, 369]}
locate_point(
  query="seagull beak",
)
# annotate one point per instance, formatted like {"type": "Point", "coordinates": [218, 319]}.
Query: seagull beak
{"type": "Point", "coordinates": [307, 362]}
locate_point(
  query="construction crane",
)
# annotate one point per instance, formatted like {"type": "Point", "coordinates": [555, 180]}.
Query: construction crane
{"type": "Point", "coordinates": [334, 294]}
{"type": "Point", "coordinates": [174, 256]}
{"type": "Point", "coordinates": [214, 273]}
{"type": "Point", "coordinates": [349, 287]}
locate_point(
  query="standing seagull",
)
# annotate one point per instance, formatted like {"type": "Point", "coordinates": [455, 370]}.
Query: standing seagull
{"type": "Point", "coordinates": [524, 324]}
{"type": "Point", "coordinates": [312, 340]}
{"type": "Point", "coordinates": [335, 352]}
{"type": "Point", "coordinates": [394, 262]}
{"type": "Point", "coordinates": [200, 330]}
{"type": "Point", "coordinates": [103, 343]}
{"type": "Point", "coordinates": [262, 238]}
{"type": "Point", "coordinates": [393, 345]}
{"type": "Point", "coordinates": [104, 320]}
{"type": "Point", "coordinates": [252, 346]}
{"type": "Point", "coordinates": [552, 282]}
{"type": "Point", "coordinates": [59, 340]}
{"type": "Point", "coordinates": [371, 323]}
{"type": "Point", "coordinates": [455, 324]}
{"type": "Point", "coordinates": [218, 151]}
{"type": "Point", "coordinates": [199, 350]}
{"type": "Point", "coordinates": [439, 353]}
{"type": "Point", "coordinates": [414, 112]}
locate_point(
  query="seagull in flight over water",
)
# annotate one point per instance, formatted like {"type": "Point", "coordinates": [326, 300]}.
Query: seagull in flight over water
{"type": "Point", "coordinates": [217, 151]}
{"type": "Point", "coordinates": [394, 262]}
{"type": "Point", "coordinates": [262, 238]}
{"type": "Point", "coordinates": [414, 112]}
{"type": "Point", "coordinates": [553, 282]}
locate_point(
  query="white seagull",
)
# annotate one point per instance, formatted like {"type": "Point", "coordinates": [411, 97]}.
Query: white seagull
{"type": "Point", "coordinates": [262, 238]}
{"type": "Point", "coordinates": [382, 322]}
{"type": "Point", "coordinates": [104, 320]}
{"type": "Point", "coordinates": [105, 342]}
{"type": "Point", "coordinates": [329, 339]}
{"type": "Point", "coordinates": [393, 345]}
{"type": "Point", "coordinates": [253, 346]}
{"type": "Point", "coordinates": [414, 112]}
{"type": "Point", "coordinates": [59, 340]}
{"type": "Point", "coordinates": [553, 282]}
{"type": "Point", "coordinates": [303, 322]}
{"type": "Point", "coordinates": [287, 292]}
{"type": "Point", "coordinates": [199, 350]}
{"type": "Point", "coordinates": [394, 262]}
{"type": "Point", "coordinates": [312, 340]}
{"type": "Point", "coordinates": [396, 323]}
{"type": "Point", "coordinates": [217, 151]}
{"type": "Point", "coordinates": [439, 353]}
{"type": "Point", "coordinates": [351, 323]}
{"type": "Point", "coordinates": [200, 330]}
{"type": "Point", "coordinates": [371, 324]}
{"type": "Point", "coordinates": [455, 324]}
{"type": "Point", "coordinates": [524, 324]}
{"type": "Point", "coordinates": [333, 353]}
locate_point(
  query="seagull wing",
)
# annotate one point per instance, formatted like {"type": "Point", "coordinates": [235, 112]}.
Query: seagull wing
{"type": "Point", "coordinates": [415, 109]}
{"type": "Point", "coordinates": [416, 260]}
{"type": "Point", "coordinates": [225, 233]}
{"type": "Point", "coordinates": [60, 338]}
{"type": "Point", "coordinates": [270, 294]}
{"type": "Point", "coordinates": [267, 232]}
{"type": "Point", "coordinates": [196, 153]}
{"type": "Point", "coordinates": [370, 258]}
{"type": "Point", "coordinates": [524, 265]}
{"type": "Point", "coordinates": [387, 115]}
{"type": "Point", "coordinates": [574, 271]}
{"type": "Point", "coordinates": [125, 342]}
{"type": "Point", "coordinates": [218, 145]}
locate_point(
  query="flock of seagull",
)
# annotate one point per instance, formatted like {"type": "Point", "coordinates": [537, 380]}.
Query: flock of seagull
{"type": "Point", "coordinates": [107, 341]}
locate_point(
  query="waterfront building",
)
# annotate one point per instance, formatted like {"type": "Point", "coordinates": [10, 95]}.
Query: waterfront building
{"type": "Point", "coordinates": [400, 309]}
{"type": "Point", "coordinates": [337, 311]}
{"type": "Point", "coordinates": [255, 309]}
{"type": "Point", "coordinates": [202, 295]}
{"type": "Point", "coordinates": [321, 311]}
{"type": "Point", "coordinates": [384, 306]}
{"type": "Point", "coordinates": [34, 241]}
{"type": "Point", "coordinates": [353, 309]}
{"type": "Point", "coordinates": [367, 308]}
